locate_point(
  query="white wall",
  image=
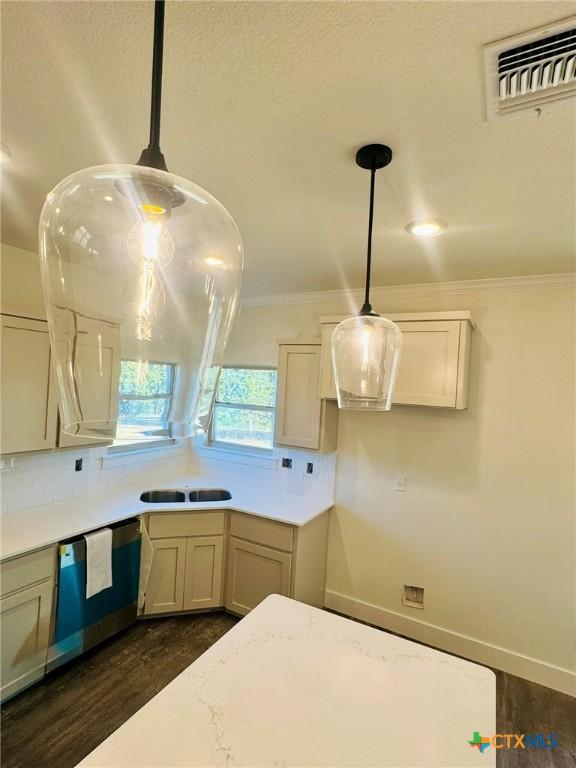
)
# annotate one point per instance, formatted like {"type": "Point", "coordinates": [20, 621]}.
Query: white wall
{"type": "Point", "coordinates": [486, 523]}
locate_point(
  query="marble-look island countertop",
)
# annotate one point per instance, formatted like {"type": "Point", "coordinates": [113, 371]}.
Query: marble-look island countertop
{"type": "Point", "coordinates": [37, 527]}
{"type": "Point", "coordinates": [292, 685]}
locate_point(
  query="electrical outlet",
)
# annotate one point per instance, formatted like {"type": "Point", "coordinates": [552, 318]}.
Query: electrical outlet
{"type": "Point", "coordinates": [78, 465]}
{"type": "Point", "coordinates": [309, 468]}
{"type": "Point", "coordinates": [287, 463]}
{"type": "Point", "coordinates": [413, 597]}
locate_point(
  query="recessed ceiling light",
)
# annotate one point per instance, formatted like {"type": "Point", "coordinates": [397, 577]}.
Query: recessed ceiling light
{"type": "Point", "coordinates": [109, 198]}
{"type": "Point", "coordinates": [426, 227]}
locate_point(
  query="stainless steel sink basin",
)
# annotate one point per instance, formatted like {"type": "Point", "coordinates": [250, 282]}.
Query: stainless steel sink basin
{"type": "Point", "coordinates": [210, 494]}
{"type": "Point", "coordinates": [171, 496]}
{"type": "Point", "coordinates": [161, 497]}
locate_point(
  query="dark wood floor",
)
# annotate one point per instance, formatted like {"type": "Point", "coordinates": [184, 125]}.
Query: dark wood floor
{"type": "Point", "coordinates": [59, 721]}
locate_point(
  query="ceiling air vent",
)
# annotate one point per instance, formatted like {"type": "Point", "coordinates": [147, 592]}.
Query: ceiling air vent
{"type": "Point", "coordinates": [532, 70]}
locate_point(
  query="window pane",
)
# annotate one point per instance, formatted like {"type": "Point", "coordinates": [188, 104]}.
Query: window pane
{"type": "Point", "coordinates": [247, 386]}
{"type": "Point", "coordinates": [243, 426]}
{"type": "Point", "coordinates": [153, 410]}
{"type": "Point", "coordinates": [145, 378]}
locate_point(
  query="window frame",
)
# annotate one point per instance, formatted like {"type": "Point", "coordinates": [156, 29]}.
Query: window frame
{"type": "Point", "coordinates": [230, 446]}
{"type": "Point", "coordinates": [164, 439]}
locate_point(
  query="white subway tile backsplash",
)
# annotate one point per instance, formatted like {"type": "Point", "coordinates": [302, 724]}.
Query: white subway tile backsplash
{"type": "Point", "coordinates": [295, 480]}
{"type": "Point", "coordinates": [35, 479]}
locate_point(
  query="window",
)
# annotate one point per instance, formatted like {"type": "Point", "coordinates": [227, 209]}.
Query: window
{"type": "Point", "coordinates": [244, 408]}
{"type": "Point", "coordinates": [144, 402]}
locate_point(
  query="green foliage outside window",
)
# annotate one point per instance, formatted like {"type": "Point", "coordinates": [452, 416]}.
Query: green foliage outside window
{"type": "Point", "coordinates": [144, 402]}
{"type": "Point", "coordinates": [244, 407]}
{"type": "Point", "coordinates": [145, 378]}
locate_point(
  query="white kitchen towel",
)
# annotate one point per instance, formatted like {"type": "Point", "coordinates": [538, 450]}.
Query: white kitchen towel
{"type": "Point", "coordinates": [98, 561]}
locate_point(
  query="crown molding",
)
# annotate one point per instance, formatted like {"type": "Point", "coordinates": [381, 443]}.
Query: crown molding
{"type": "Point", "coordinates": [416, 290]}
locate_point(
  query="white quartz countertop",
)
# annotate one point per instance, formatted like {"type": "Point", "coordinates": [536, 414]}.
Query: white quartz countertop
{"type": "Point", "coordinates": [292, 685]}
{"type": "Point", "coordinates": [33, 528]}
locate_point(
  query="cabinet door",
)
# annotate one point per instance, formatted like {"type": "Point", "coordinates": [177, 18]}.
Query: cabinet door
{"type": "Point", "coordinates": [28, 410]}
{"type": "Point", "coordinates": [100, 365]}
{"type": "Point", "coordinates": [203, 578]}
{"type": "Point", "coordinates": [298, 405]}
{"type": "Point", "coordinates": [254, 572]}
{"type": "Point", "coordinates": [428, 370]}
{"type": "Point", "coordinates": [25, 622]}
{"type": "Point", "coordinates": [327, 383]}
{"type": "Point", "coordinates": [165, 591]}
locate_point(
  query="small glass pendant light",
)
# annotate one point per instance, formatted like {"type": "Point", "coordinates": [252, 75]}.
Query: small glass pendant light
{"type": "Point", "coordinates": [366, 349]}
{"type": "Point", "coordinates": [140, 264]}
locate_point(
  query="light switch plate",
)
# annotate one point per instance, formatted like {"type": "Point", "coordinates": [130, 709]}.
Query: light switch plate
{"type": "Point", "coordinates": [400, 483]}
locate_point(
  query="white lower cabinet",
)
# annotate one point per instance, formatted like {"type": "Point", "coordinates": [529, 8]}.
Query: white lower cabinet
{"type": "Point", "coordinates": [254, 572]}
{"type": "Point", "coordinates": [263, 557]}
{"type": "Point", "coordinates": [165, 590]}
{"type": "Point", "coordinates": [186, 572]}
{"type": "Point", "coordinates": [25, 616]}
{"type": "Point", "coordinates": [203, 574]}
{"type": "Point", "coordinates": [266, 557]}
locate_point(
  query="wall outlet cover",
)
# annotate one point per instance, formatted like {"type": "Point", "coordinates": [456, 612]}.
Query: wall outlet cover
{"type": "Point", "coordinates": [78, 465]}
{"type": "Point", "coordinates": [287, 463]}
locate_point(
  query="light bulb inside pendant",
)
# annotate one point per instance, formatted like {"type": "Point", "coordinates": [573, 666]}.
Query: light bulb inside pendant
{"type": "Point", "coordinates": [150, 241]}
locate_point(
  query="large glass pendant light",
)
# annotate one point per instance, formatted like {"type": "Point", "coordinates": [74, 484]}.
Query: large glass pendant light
{"type": "Point", "coordinates": [366, 349]}
{"type": "Point", "coordinates": [138, 264]}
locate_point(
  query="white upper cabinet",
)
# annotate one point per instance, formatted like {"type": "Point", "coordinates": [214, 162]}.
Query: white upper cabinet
{"type": "Point", "coordinates": [29, 407]}
{"type": "Point", "coordinates": [432, 371]}
{"type": "Point", "coordinates": [434, 362]}
{"type": "Point", "coordinates": [303, 419]}
{"type": "Point", "coordinates": [29, 391]}
{"type": "Point", "coordinates": [100, 383]}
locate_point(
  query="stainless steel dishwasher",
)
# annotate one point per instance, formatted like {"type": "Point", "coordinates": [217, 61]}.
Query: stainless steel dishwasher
{"type": "Point", "coordinates": [80, 623]}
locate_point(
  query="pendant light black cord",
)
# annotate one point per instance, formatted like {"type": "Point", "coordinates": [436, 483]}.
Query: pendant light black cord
{"type": "Point", "coordinates": [152, 155]}
{"type": "Point", "coordinates": [157, 61]}
{"type": "Point", "coordinates": [367, 307]}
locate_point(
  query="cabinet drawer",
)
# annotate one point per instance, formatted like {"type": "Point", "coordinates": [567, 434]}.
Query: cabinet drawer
{"type": "Point", "coordinates": [186, 524]}
{"type": "Point", "coordinates": [28, 569]}
{"type": "Point", "coordinates": [262, 531]}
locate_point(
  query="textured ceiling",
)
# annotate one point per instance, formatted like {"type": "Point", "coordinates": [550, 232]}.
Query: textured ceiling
{"type": "Point", "coordinates": [265, 104]}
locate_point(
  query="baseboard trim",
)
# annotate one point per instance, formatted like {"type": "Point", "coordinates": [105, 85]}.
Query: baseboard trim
{"type": "Point", "coordinates": [537, 671]}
